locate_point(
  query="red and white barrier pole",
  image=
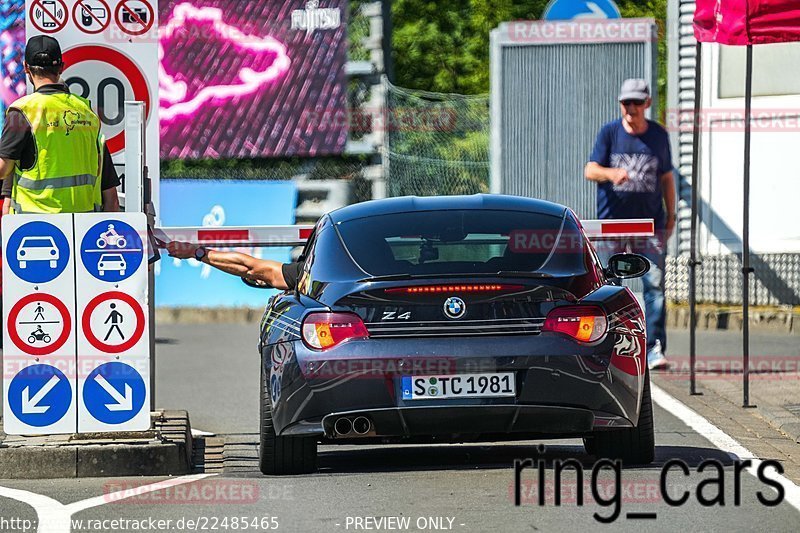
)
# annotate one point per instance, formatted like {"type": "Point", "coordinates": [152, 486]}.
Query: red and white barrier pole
{"type": "Point", "coordinates": [263, 236]}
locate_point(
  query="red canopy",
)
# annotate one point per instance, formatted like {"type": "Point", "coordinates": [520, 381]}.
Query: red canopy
{"type": "Point", "coordinates": [743, 22]}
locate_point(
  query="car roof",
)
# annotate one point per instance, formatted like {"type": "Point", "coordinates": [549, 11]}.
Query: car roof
{"type": "Point", "coordinates": [408, 204]}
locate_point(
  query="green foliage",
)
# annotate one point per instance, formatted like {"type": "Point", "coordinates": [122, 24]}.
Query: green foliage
{"type": "Point", "coordinates": [444, 46]}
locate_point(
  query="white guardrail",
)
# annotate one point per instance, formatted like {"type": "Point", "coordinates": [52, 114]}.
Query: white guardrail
{"type": "Point", "coordinates": [263, 236]}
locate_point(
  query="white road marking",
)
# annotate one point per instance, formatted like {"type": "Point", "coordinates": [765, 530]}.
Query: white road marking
{"type": "Point", "coordinates": [55, 517]}
{"type": "Point", "coordinates": [722, 440]}
{"type": "Point", "coordinates": [201, 433]}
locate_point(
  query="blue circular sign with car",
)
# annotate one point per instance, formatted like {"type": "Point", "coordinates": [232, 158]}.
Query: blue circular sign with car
{"type": "Point", "coordinates": [37, 252]}
{"type": "Point", "coordinates": [112, 251]}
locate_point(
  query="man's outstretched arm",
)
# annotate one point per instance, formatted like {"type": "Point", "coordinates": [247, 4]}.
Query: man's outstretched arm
{"type": "Point", "coordinates": [235, 263]}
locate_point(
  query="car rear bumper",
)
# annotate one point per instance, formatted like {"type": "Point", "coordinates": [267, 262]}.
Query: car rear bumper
{"type": "Point", "coordinates": [585, 389]}
{"type": "Point", "coordinates": [467, 421]}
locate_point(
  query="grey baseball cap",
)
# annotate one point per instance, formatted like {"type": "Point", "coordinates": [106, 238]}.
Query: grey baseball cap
{"type": "Point", "coordinates": [634, 89]}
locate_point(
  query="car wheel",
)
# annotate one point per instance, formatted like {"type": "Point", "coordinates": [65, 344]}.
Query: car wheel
{"type": "Point", "coordinates": [282, 455]}
{"type": "Point", "coordinates": [23, 264]}
{"type": "Point", "coordinates": [53, 264]}
{"type": "Point", "coordinates": [121, 272]}
{"type": "Point", "coordinates": [101, 272]}
{"type": "Point", "coordinates": [634, 446]}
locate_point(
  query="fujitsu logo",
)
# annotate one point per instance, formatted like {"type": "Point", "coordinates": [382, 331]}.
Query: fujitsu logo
{"type": "Point", "coordinates": [314, 18]}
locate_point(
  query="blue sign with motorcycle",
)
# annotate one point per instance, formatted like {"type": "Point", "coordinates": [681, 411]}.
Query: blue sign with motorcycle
{"type": "Point", "coordinates": [38, 252]}
{"type": "Point", "coordinates": [39, 395]}
{"type": "Point", "coordinates": [112, 251]}
{"type": "Point", "coordinates": [114, 393]}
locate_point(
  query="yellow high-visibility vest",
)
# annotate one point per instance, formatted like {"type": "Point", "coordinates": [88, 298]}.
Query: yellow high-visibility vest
{"type": "Point", "coordinates": [65, 176]}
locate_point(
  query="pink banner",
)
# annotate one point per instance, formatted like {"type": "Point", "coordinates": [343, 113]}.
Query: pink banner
{"type": "Point", "coordinates": [742, 22]}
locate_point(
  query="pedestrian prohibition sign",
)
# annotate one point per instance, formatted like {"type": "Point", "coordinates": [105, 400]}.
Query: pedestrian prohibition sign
{"type": "Point", "coordinates": [113, 322]}
{"type": "Point", "coordinates": [39, 324]}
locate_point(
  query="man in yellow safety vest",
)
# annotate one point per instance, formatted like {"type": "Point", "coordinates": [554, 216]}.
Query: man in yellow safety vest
{"type": "Point", "coordinates": [52, 156]}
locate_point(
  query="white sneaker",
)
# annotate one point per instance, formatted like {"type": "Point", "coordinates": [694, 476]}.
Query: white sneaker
{"type": "Point", "coordinates": [658, 364]}
{"type": "Point", "coordinates": [655, 358]}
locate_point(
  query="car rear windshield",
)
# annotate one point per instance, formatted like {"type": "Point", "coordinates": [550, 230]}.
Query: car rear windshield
{"type": "Point", "coordinates": [465, 242]}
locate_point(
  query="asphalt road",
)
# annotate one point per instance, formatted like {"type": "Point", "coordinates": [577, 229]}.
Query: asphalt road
{"type": "Point", "coordinates": [212, 370]}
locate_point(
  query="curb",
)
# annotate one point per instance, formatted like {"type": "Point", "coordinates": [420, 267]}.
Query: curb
{"type": "Point", "coordinates": [774, 320]}
{"type": "Point", "coordinates": [781, 419]}
{"type": "Point", "coordinates": [163, 451]}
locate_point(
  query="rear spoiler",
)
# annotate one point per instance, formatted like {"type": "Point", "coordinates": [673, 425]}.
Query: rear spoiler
{"type": "Point", "coordinates": [266, 236]}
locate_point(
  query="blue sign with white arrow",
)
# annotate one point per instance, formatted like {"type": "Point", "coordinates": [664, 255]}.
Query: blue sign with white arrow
{"type": "Point", "coordinates": [581, 9]}
{"type": "Point", "coordinates": [39, 395]}
{"type": "Point", "coordinates": [38, 252]}
{"type": "Point", "coordinates": [112, 251]}
{"type": "Point", "coordinates": [114, 393]}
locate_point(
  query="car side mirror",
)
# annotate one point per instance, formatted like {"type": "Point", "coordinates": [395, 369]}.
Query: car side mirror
{"type": "Point", "coordinates": [626, 266]}
{"type": "Point", "coordinates": [256, 284]}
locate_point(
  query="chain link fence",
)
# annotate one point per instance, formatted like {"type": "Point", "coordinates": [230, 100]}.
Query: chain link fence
{"type": "Point", "coordinates": [436, 144]}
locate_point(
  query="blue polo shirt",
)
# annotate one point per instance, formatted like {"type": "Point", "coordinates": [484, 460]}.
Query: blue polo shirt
{"type": "Point", "coordinates": [646, 157]}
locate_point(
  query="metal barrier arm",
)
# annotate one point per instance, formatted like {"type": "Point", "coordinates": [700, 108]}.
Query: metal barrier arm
{"type": "Point", "coordinates": [233, 236]}
{"type": "Point", "coordinates": [265, 236]}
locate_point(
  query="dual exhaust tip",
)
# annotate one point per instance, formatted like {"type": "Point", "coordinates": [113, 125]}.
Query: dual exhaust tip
{"type": "Point", "coordinates": [345, 426]}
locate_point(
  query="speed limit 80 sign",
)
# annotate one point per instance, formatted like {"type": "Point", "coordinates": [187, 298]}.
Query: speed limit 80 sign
{"type": "Point", "coordinates": [107, 77]}
{"type": "Point", "coordinates": [110, 50]}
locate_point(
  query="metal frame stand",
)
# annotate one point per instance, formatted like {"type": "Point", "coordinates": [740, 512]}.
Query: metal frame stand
{"type": "Point", "coordinates": [138, 199]}
{"type": "Point", "coordinates": [746, 268]}
{"type": "Point", "coordinates": [693, 262]}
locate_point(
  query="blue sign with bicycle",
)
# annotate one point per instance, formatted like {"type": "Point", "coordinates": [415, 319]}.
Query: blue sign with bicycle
{"type": "Point", "coordinates": [112, 251]}
{"type": "Point", "coordinates": [39, 395]}
{"type": "Point", "coordinates": [581, 9]}
{"type": "Point", "coordinates": [114, 393]}
{"type": "Point", "coordinates": [38, 252]}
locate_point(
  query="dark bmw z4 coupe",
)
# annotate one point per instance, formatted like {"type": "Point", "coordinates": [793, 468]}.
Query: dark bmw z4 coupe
{"type": "Point", "coordinates": [454, 319]}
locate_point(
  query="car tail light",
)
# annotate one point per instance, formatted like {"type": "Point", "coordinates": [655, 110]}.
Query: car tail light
{"type": "Point", "coordinates": [325, 330]}
{"type": "Point", "coordinates": [465, 287]}
{"type": "Point", "coordinates": [585, 323]}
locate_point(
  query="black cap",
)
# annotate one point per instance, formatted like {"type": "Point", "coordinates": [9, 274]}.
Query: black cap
{"type": "Point", "coordinates": [43, 51]}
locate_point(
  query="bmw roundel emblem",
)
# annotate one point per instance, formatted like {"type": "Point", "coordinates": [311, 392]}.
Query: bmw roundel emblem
{"type": "Point", "coordinates": [454, 307]}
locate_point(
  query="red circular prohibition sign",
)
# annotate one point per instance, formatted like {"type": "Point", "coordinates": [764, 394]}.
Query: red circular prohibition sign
{"type": "Point", "coordinates": [138, 82]}
{"type": "Point", "coordinates": [113, 348]}
{"type": "Point", "coordinates": [12, 324]}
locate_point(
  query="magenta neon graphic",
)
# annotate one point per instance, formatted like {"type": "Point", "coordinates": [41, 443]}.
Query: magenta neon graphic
{"type": "Point", "coordinates": [249, 81]}
{"type": "Point", "coordinates": [237, 79]}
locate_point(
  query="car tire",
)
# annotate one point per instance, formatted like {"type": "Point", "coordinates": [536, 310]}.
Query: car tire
{"type": "Point", "coordinates": [634, 446]}
{"type": "Point", "coordinates": [282, 455]}
{"type": "Point", "coordinates": [53, 264]}
{"type": "Point", "coordinates": [23, 264]}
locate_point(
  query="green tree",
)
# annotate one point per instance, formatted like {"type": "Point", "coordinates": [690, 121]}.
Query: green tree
{"type": "Point", "coordinates": [444, 46]}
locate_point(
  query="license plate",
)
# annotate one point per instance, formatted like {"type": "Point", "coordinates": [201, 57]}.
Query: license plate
{"type": "Point", "coordinates": [495, 385]}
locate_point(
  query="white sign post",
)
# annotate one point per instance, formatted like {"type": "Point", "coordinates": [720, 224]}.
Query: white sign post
{"type": "Point", "coordinates": [113, 331]}
{"type": "Point", "coordinates": [39, 394]}
{"type": "Point", "coordinates": [110, 48]}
